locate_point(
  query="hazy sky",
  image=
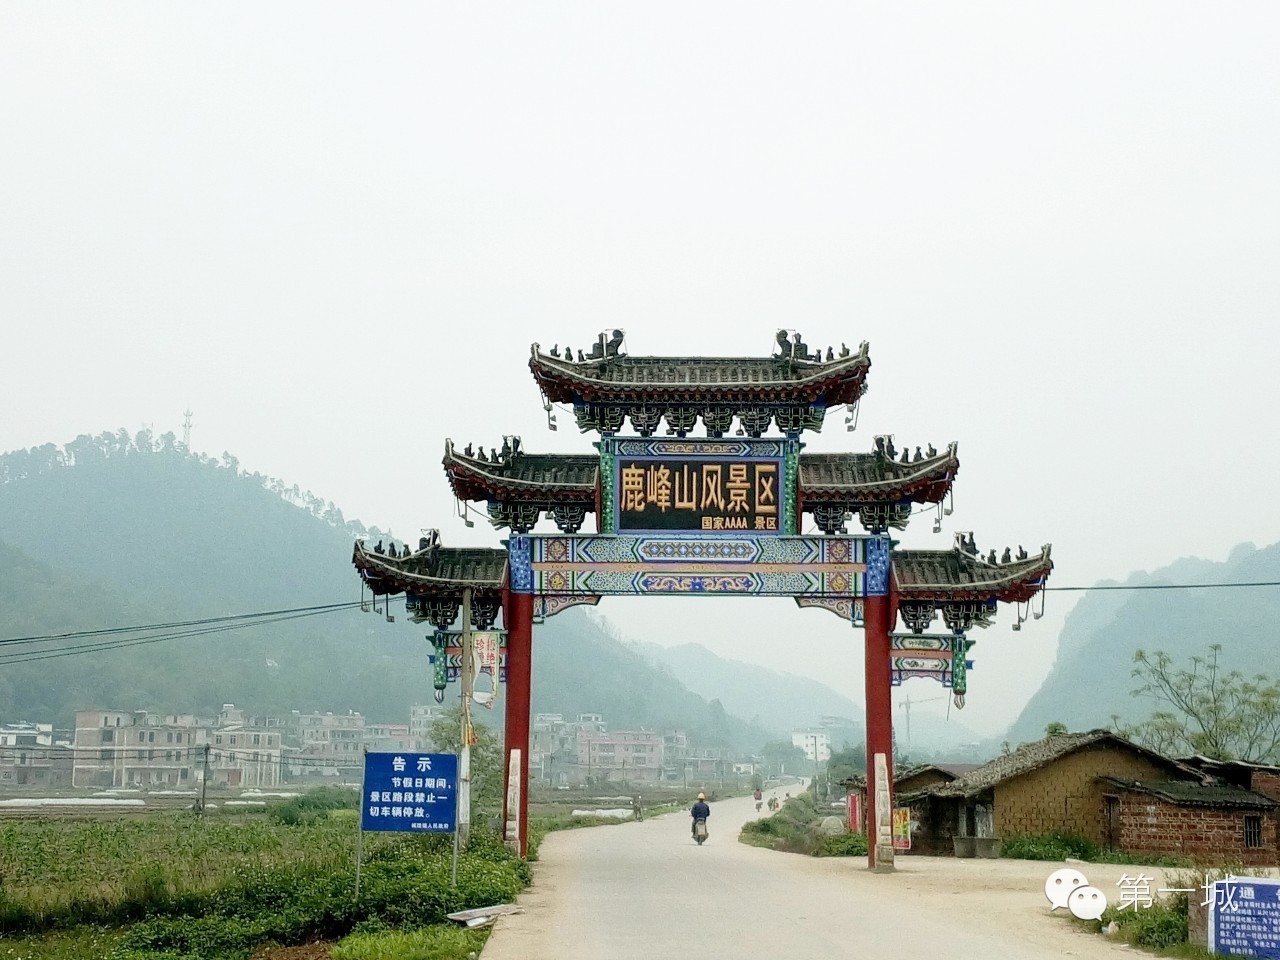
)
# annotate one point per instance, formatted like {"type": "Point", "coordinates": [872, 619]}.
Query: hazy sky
{"type": "Point", "coordinates": [333, 230]}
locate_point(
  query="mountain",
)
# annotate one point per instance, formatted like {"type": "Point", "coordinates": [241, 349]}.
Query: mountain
{"type": "Point", "coordinates": [579, 668]}
{"type": "Point", "coordinates": [115, 530]}
{"type": "Point", "coordinates": [1092, 677]}
{"type": "Point", "coordinates": [783, 702]}
{"type": "Point", "coordinates": [778, 701]}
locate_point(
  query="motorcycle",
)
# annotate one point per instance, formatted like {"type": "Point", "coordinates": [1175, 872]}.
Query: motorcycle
{"type": "Point", "coordinates": [700, 830]}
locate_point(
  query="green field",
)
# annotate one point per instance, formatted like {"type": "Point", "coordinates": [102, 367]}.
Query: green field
{"type": "Point", "coordinates": [175, 885]}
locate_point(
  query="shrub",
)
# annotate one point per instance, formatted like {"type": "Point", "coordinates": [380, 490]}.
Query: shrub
{"type": "Point", "coordinates": [293, 905]}
{"type": "Point", "coordinates": [429, 943]}
{"type": "Point", "coordinates": [846, 845]}
{"type": "Point", "coordinates": [1057, 846]}
{"type": "Point", "coordinates": [793, 829]}
{"type": "Point", "coordinates": [1163, 924]}
{"type": "Point", "coordinates": [313, 805]}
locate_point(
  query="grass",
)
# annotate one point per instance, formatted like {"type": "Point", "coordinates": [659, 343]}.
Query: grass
{"type": "Point", "coordinates": [428, 943]}
{"type": "Point", "coordinates": [313, 805]}
{"type": "Point", "coordinates": [794, 828]}
{"type": "Point", "coordinates": [175, 885]}
{"type": "Point", "coordinates": [82, 943]}
{"type": "Point", "coordinates": [1162, 927]}
{"type": "Point", "coordinates": [59, 873]}
{"type": "Point", "coordinates": [1063, 846]}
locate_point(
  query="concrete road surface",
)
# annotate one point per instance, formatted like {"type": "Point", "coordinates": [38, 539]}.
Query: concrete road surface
{"type": "Point", "coordinates": [646, 890]}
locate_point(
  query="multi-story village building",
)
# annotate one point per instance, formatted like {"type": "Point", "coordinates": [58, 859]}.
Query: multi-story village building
{"type": "Point", "coordinates": [553, 746]}
{"type": "Point", "coordinates": [243, 752]}
{"type": "Point", "coordinates": [325, 745]}
{"type": "Point", "coordinates": [815, 743]}
{"type": "Point", "coordinates": [31, 756]}
{"type": "Point", "coordinates": [388, 737]}
{"type": "Point", "coordinates": [116, 748]}
{"type": "Point", "coordinates": [421, 718]}
{"type": "Point", "coordinates": [625, 755]}
{"type": "Point", "coordinates": [686, 763]}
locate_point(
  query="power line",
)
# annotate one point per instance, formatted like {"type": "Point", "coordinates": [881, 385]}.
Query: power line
{"type": "Point", "coordinates": [106, 645]}
{"type": "Point", "coordinates": [1169, 586]}
{"type": "Point", "coordinates": [106, 631]}
{"type": "Point", "coordinates": [211, 625]}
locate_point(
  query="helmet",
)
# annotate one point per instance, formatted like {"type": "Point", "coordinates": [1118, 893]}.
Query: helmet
{"type": "Point", "coordinates": [702, 796]}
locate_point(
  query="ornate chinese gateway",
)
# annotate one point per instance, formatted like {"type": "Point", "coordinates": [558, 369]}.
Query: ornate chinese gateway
{"type": "Point", "coordinates": [721, 514]}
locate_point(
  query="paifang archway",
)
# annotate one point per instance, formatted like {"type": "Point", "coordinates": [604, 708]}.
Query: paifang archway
{"type": "Point", "coordinates": [713, 515]}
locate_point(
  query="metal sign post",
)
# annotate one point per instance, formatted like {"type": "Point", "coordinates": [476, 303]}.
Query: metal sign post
{"type": "Point", "coordinates": [454, 877]}
{"type": "Point", "coordinates": [468, 680]}
{"type": "Point", "coordinates": [359, 828]}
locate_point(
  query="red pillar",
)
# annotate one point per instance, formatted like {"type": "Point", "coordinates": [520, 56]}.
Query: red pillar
{"type": "Point", "coordinates": [876, 618]}
{"type": "Point", "coordinates": [517, 615]}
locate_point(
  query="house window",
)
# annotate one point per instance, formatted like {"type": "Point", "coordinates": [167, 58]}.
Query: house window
{"type": "Point", "coordinates": [1253, 830]}
{"type": "Point", "coordinates": [108, 736]}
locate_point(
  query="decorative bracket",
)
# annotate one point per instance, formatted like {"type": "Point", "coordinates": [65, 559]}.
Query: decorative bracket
{"type": "Point", "coordinates": [544, 607]}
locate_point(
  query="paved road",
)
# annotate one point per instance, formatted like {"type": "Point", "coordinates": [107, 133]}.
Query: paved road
{"type": "Point", "coordinates": [646, 890]}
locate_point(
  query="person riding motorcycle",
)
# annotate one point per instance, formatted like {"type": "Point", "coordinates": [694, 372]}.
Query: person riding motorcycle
{"type": "Point", "coordinates": [700, 811]}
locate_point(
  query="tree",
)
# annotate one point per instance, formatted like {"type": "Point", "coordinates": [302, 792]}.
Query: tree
{"type": "Point", "coordinates": [486, 759]}
{"type": "Point", "coordinates": [1055, 728]}
{"type": "Point", "coordinates": [1206, 709]}
{"type": "Point", "coordinates": [849, 761]}
{"type": "Point", "coordinates": [782, 756]}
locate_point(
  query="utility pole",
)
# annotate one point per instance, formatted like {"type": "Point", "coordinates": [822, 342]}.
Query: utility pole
{"type": "Point", "coordinates": [466, 681]}
{"type": "Point", "coordinates": [204, 781]}
{"type": "Point", "coordinates": [186, 429]}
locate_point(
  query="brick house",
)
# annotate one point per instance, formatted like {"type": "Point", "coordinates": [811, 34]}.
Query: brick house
{"type": "Point", "coordinates": [907, 786]}
{"type": "Point", "coordinates": [1258, 777]}
{"type": "Point", "coordinates": [1214, 820]}
{"type": "Point", "coordinates": [1048, 786]}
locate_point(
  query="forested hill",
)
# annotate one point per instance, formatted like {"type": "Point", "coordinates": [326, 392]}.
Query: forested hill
{"type": "Point", "coordinates": [117, 530]}
{"type": "Point", "coordinates": [1101, 635]}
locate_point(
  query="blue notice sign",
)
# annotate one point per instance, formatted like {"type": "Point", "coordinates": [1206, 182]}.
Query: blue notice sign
{"type": "Point", "coordinates": [410, 792]}
{"type": "Point", "coordinates": [1244, 917]}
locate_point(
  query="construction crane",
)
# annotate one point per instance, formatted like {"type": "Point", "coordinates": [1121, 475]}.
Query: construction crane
{"type": "Point", "coordinates": [905, 703]}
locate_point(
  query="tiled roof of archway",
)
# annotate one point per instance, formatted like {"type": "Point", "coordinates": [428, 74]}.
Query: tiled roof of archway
{"type": "Point", "coordinates": [432, 570]}
{"type": "Point", "coordinates": [950, 575]}
{"type": "Point", "coordinates": [701, 379]}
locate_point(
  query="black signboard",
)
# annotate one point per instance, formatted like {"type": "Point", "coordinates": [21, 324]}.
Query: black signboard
{"type": "Point", "coordinates": [703, 494]}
